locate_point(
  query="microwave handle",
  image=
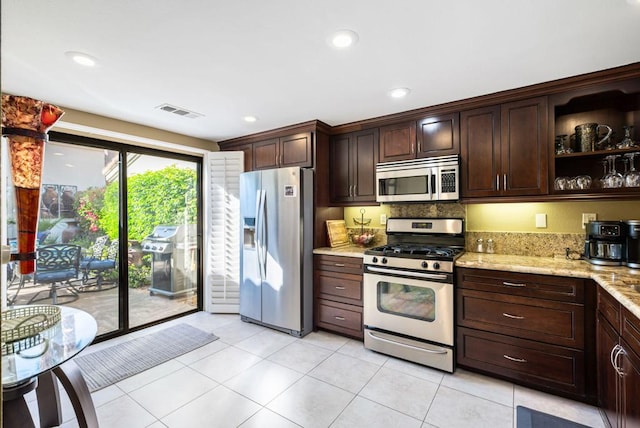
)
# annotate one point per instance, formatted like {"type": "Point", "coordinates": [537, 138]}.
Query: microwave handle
{"type": "Point", "coordinates": [433, 184]}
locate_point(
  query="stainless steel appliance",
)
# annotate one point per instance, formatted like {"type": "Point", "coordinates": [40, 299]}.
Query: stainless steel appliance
{"type": "Point", "coordinates": [276, 281]}
{"type": "Point", "coordinates": [605, 243]}
{"type": "Point", "coordinates": [173, 260]}
{"type": "Point", "coordinates": [632, 228]}
{"type": "Point", "coordinates": [408, 291]}
{"type": "Point", "coordinates": [419, 180]}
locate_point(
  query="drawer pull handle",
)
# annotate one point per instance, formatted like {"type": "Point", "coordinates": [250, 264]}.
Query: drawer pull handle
{"type": "Point", "coordinates": [517, 360]}
{"type": "Point", "coordinates": [515, 317]}
{"type": "Point", "coordinates": [339, 287]}
{"type": "Point", "coordinates": [513, 284]}
{"type": "Point", "coordinates": [339, 264]}
{"type": "Point", "coordinates": [339, 318]}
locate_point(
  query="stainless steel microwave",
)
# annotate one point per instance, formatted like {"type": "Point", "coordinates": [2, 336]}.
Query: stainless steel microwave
{"type": "Point", "coordinates": [419, 180]}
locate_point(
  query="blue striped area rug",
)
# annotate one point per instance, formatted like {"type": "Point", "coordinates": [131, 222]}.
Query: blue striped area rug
{"type": "Point", "coordinates": [110, 365]}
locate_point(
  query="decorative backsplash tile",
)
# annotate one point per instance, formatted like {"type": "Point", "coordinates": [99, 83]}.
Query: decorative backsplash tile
{"type": "Point", "coordinates": [528, 244]}
{"type": "Point", "coordinates": [514, 243]}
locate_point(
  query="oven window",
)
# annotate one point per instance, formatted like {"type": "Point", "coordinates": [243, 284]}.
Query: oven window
{"type": "Point", "coordinates": [407, 300]}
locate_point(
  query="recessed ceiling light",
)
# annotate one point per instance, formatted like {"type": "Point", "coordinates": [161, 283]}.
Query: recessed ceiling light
{"type": "Point", "coordinates": [82, 58]}
{"type": "Point", "coordinates": [399, 92]}
{"type": "Point", "coordinates": [69, 165]}
{"type": "Point", "coordinates": [58, 154]}
{"type": "Point", "coordinates": [250, 119]}
{"type": "Point", "coordinates": [342, 39]}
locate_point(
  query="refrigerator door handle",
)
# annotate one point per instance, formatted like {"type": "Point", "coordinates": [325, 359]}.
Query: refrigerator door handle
{"type": "Point", "coordinates": [258, 232]}
{"type": "Point", "coordinates": [262, 247]}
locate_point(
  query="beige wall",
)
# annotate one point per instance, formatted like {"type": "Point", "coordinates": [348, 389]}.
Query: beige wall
{"type": "Point", "coordinates": [127, 132]}
{"type": "Point", "coordinates": [562, 217]}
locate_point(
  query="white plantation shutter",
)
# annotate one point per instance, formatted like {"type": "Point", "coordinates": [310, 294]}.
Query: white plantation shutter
{"type": "Point", "coordinates": [222, 225]}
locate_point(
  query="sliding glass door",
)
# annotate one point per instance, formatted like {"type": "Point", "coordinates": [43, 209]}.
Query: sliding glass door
{"type": "Point", "coordinates": [135, 215]}
{"type": "Point", "coordinates": [162, 217]}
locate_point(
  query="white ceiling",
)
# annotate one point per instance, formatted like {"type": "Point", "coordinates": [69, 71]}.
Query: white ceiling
{"type": "Point", "coordinates": [229, 59]}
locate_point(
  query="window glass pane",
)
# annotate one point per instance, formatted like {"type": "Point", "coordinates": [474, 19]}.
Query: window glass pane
{"type": "Point", "coordinates": [162, 216]}
{"type": "Point", "coordinates": [73, 212]}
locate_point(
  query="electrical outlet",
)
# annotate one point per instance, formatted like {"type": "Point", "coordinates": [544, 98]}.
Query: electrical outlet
{"type": "Point", "coordinates": [383, 219]}
{"type": "Point", "coordinates": [587, 217]}
{"type": "Point", "coordinates": [541, 220]}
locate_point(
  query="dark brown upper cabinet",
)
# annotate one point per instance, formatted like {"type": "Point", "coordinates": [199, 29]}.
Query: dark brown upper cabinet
{"type": "Point", "coordinates": [426, 137]}
{"type": "Point", "coordinates": [293, 150]}
{"type": "Point", "coordinates": [352, 161]}
{"type": "Point", "coordinates": [438, 136]}
{"type": "Point", "coordinates": [504, 149]}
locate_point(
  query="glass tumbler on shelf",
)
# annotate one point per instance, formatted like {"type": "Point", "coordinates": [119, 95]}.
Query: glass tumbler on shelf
{"type": "Point", "coordinates": [632, 177]}
{"type": "Point", "coordinates": [583, 182]}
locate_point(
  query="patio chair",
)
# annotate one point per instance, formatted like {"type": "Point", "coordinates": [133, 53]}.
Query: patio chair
{"type": "Point", "coordinates": [57, 265]}
{"type": "Point", "coordinates": [94, 268]}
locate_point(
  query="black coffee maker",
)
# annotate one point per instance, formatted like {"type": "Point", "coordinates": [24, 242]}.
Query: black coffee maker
{"type": "Point", "coordinates": [632, 228]}
{"type": "Point", "coordinates": [605, 243]}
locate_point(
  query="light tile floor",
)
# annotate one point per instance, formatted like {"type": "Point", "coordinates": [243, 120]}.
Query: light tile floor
{"type": "Point", "coordinates": [257, 377]}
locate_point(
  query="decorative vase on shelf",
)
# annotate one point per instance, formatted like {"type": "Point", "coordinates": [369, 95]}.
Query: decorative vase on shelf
{"type": "Point", "coordinates": [25, 122]}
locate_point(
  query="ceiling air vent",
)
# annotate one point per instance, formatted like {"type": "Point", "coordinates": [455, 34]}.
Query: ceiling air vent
{"type": "Point", "coordinates": [179, 111]}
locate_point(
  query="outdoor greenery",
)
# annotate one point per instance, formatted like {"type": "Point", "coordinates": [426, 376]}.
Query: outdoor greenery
{"type": "Point", "coordinates": [153, 198]}
{"type": "Point", "coordinates": [163, 197]}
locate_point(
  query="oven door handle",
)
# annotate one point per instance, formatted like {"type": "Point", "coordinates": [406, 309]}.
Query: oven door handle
{"type": "Point", "coordinates": [407, 274]}
{"type": "Point", "coordinates": [373, 336]}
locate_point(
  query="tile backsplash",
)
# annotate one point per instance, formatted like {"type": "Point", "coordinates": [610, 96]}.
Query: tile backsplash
{"type": "Point", "coordinates": [515, 243]}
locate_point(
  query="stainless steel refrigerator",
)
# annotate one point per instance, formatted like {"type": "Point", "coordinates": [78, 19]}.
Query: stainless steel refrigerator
{"type": "Point", "coordinates": [276, 263]}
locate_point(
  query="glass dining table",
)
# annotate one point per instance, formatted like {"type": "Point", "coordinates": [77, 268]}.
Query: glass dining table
{"type": "Point", "coordinates": [41, 364]}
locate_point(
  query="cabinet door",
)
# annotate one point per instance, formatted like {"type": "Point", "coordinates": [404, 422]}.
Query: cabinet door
{"type": "Point", "coordinates": [630, 410]}
{"type": "Point", "coordinates": [296, 150]}
{"type": "Point", "coordinates": [265, 154]}
{"type": "Point", "coordinates": [340, 167]}
{"type": "Point", "coordinates": [479, 149]}
{"type": "Point", "coordinates": [364, 157]}
{"type": "Point", "coordinates": [524, 161]}
{"type": "Point", "coordinates": [606, 340]}
{"type": "Point", "coordinates": [438, 136]}
{"type": "Point", "coordinates": [398, 142]}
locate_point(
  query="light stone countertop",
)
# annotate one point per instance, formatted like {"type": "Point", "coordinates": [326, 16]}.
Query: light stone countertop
{"type": "Point", "coordinates": [346, 251]}
{"type": "Point", "coordinates": [621, 282]}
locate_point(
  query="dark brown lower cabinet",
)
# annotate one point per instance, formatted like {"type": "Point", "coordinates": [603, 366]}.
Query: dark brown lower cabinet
{"type": "Point", "coordinates": [337, 283]}
{"type": "Point", "coordinates": [618, 350]}
{"type": "Point", "coordinates": [534, 330]}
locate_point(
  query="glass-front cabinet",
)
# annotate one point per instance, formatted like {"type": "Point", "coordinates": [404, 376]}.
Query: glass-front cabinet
{"type": "Point", "coordinates": [596, 141]}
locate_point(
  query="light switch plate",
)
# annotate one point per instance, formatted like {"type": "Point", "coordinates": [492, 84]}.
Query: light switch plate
{"type": "Point", "coordinates": [587, 217]}
{"type": "Point", "coordinates": [383, 219]}
{"type": "Point", "coordinates": [541, 220]}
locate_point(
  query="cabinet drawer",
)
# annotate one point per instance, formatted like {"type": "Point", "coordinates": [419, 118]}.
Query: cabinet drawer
{"type": "Point", "coordinates": [558, 288]}
{"type": "Point", "coordinates": [552, 322]}
{"type": "Point", "coordinates": [631, 330]}
{"type": "Point", "coordinates": [332, 284]}
{"type": "Point", "coordinates": [341, 264]}
{"type": "Point", "coordinates": [609, 307]}
{"type": "Point", "coordinates": [548, 367]}
{"type": "Point", "coordinates": [346, 319]}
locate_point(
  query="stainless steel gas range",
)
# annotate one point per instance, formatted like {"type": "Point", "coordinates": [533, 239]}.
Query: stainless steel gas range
{"type": "Point", "coordinates": [409, 290]}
